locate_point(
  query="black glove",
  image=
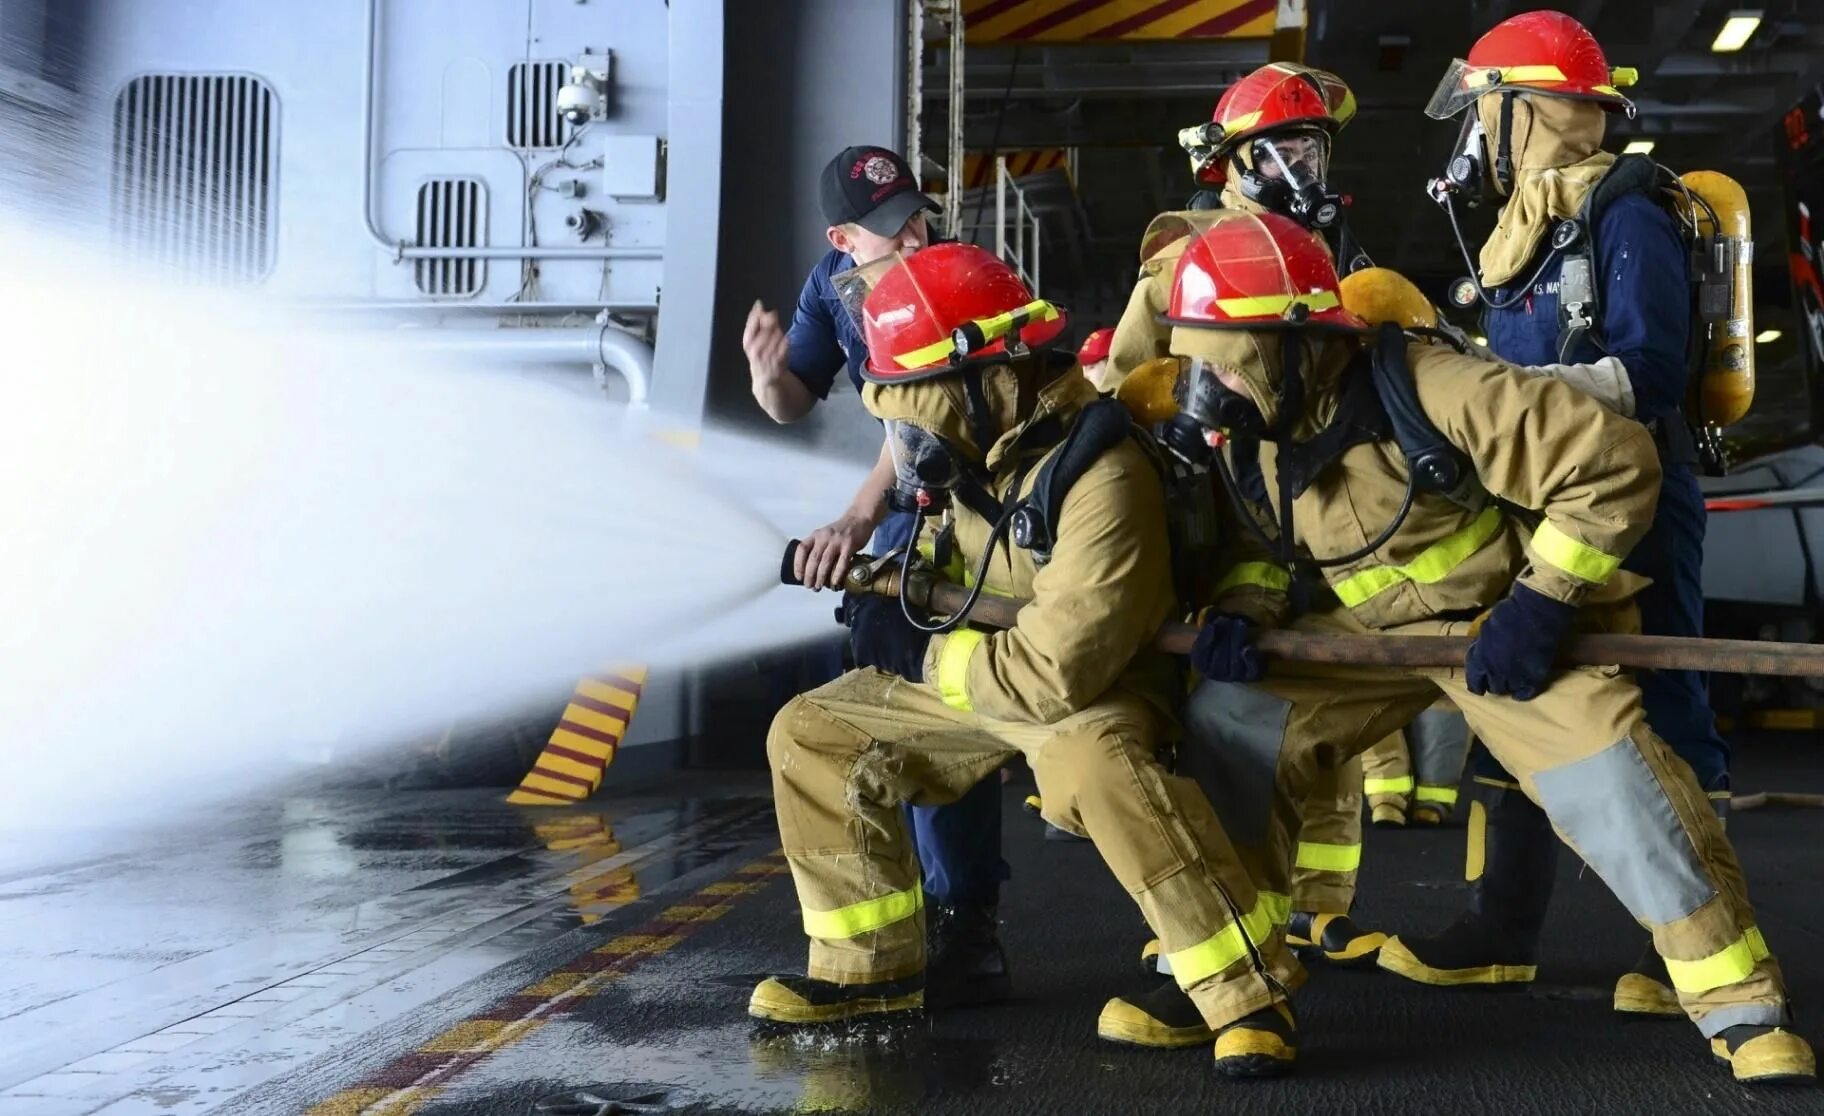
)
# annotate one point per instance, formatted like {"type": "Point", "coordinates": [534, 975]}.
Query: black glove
{"type": "Point", "coordinates": [882, 637]}
{"type": "Point", "coordinates": [1224, 652]}
{"type": "Point", "coordinates": [1514, 652]}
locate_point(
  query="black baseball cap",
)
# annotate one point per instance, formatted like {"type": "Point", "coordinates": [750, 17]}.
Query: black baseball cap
{"type": "Point", "coordinates": [871, 187]}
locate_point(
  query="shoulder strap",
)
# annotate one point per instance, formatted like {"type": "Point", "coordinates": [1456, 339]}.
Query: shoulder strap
{"type": "Point", "coordinates": [1435, 464]}
{"type": "Point", "coordinates": [1100, 426]}
{"type": "Point", "coordinates": [1579, 294]}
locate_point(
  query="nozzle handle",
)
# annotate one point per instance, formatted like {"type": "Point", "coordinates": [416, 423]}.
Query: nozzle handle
{"type": "Point", "coordinates": [787, 574]}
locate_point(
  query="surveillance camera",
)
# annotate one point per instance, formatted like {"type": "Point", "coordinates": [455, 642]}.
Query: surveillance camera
{"type": "Point", "coordinates": [579, 102]}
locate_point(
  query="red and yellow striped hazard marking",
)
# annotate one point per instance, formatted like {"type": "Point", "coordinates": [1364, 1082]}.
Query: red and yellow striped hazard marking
{"type": "Point", "coordinates": [1075, 21]}
{"type": "Point", "coordinates": [979, 171]}
{"type": "Point", "coordinates": [412, 1081]}
{"type": "Point", "coordinates": [582, 746]}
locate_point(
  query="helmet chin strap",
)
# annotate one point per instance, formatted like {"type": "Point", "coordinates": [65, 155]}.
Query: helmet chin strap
{"type": "Point", "coordinates": [1504, 146]}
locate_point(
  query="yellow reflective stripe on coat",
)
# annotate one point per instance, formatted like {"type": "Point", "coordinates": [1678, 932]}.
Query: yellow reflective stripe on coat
{"type": "Point", "coordinates": [1580, 560]}
{"type": "Point", "coordinates": [1258, 575]}
{"type": "Point", "coordinates": [1329, 858]}
{"type": "Point", "coordinates": [1221, 949]}
{"type": "Point", "coordinates": [1259, 306]}
{"type": "Point", "coordinates": [1401, 785]}
{"type": "Point", "coordinates": [1730, 965]}
{"type": "Point", "coordinates": [1432, 565]}
{"type": "Point", "coordinates": [866, 916]}
{"type": "Point", "coordinates": [953, 667]}
{"type": "Point", "coordinates": [1446, 795]}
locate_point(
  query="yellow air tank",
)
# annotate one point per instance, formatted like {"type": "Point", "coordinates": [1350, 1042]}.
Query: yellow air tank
{"type": "Point", "coordinates": [1379, 295]}
{"type": "Point", "coordinates": [1725, 388]}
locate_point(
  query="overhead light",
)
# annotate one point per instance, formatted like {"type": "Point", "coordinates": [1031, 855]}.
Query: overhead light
{"type": "Point", "coordinates": [1737, 30]}
{"type": "Point", "coordinates": [1480, 340]}
{"type": "Point", "coordinates": [1767, 337]}
{"type": "Point", "coordinates": [1638, 147]}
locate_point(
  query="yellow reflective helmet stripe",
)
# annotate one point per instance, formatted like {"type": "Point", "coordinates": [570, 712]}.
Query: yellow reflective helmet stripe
{"type": "Point", "coordinates": [930, 354]}
{"type": "Point", "coordinates": [1730, 965]}
{"type": "Point", "coordinates": [1512, 75]}
{"type": "Point", "coordinates": [866, 916]}
{"type": "Point", "coordinates": [1038, 310]}
{"type": "Point", "coordinates": [1223, 948]}
{"type": "Point", "coordinates": [1259, 575]}
{"type": "Point", "coordinates": [1401, 785]}
{"type": "Point", "coordinates": [1243, 122]}
{"type": "Point", "coordinates": [1329, 858]}
{"type": "Point", "coordinates": [1446, 795]}
{"type": "Point", "coordinates": [1432, 565]}
{"type": "Point", "coordinates": [1580, 560]}
{"type": "Point", "coordinates": [1261, 306]}
{"type": "Point", "coordinates": [953, 667]}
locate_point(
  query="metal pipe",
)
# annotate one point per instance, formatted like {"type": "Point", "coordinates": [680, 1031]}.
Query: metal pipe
{"type": "Point", "coordinates": [404, 251]}
{"type": "Point", "coordinates": [592, 345]}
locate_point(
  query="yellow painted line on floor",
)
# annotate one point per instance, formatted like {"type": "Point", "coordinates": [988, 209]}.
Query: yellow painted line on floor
{"type": "Point", "coordinates": [641, 943]}
{"type": "Point", "coordinates": [475, 1036]}
{"type": "Point", "coordinates": [694, 913]}
{"type": "Point", "coordinates": [374, 1101]}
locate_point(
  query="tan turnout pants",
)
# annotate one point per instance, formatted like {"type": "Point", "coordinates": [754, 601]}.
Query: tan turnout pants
{"type": "Point", "coordinates": [846, 756]}
{"type": "Point", "coordinates": [1582, 750]}
{"type": "Point", "coordinates": [1421, 762]}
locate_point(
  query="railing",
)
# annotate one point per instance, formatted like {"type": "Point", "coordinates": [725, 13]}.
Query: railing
{"type": "Point", "coordinates": [1017, 243]}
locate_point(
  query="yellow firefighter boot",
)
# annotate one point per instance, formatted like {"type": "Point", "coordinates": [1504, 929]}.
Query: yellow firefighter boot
{"type": "Point", "coordinates": [1645, 991]}
{"type": "Point", "coordinates": [807, 1000]}
{"type": "Point", "coordinates": [1765, 1055]}
{"type": "Point", "coordinates": [1388, 816]}
{"type": "Point", "coordinates": [1149, 957]}
{"type": "Point", "coordinates": [1164, 1019]}
{"type": "Point", "coordinates": [1264, 1044]}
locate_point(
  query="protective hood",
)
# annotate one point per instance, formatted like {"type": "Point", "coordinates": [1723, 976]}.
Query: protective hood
{"type": "Point", "coordinates": [1017, 393]}
{"type": "Point", "coordinates": [1255, 360]}
{"type": "Point", "coordinates": [1557, 157]}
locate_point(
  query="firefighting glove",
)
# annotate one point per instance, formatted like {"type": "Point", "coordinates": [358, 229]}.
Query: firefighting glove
{"type": "Point", "coordinates": [1224, 651]}
{"type": "Point", "coordinates": [1519, 640]}
{"type": "Point", "coordinates": [882, 637]}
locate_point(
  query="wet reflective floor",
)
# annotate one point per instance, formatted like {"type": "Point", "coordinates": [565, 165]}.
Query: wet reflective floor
{"type": "Point", "coordinates": [436, 952]}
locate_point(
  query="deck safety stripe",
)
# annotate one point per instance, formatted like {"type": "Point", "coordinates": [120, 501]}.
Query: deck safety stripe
{"type": "Point", "coordinates": [1063, 21]}
{"type": "Point", "coordinates": [409, 1082]}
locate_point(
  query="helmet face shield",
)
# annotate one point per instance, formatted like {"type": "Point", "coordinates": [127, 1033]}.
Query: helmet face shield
{"type": "Point", "coordinates": [1298, 158]}
{"type": "Point", "coordinates": [1461, 86]}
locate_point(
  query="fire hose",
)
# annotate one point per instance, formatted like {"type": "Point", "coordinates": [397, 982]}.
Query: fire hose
{"type": "Point", "coordinates": [1640, 652]}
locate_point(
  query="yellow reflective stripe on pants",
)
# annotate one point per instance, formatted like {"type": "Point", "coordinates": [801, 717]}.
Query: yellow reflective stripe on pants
{"type": "Point", "coordinates": [1432, 565]}
{"type": "Point", "coordinates": [1402, 785]}
{"type": "Point", "coordinates": [866, 916]}
{"type": "Point", "coordinates": [1223, 948]}
{"type": "Point", "coordinates": [1729, 965]}
{"type": "Point", "coordinates": [1278, 907]}
{"type": "Point", "coordinates": [953, 667]}
{"type": "Point", "coordinates": [1257, 575]}
{"type": "Point", "coordinates": [1580, 560]}
{"type": "Point", "coordinates": [1446, 795]}
{"type": "Point", "coordinates": [1329, 858]}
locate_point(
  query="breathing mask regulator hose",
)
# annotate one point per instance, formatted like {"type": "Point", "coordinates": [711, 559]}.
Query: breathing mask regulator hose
{"type": "Point", "coordinates": [1457, 179]}
{"type": "Point", "coordinates": [975, 591]}
{"type": "Point", "coordinates": [1291, 405]}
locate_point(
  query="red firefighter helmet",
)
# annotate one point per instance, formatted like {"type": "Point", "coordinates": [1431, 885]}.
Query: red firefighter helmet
{"type": "Point", "coordinates": [914, 310]}
{"type": "Point", "coordinates": [1096, 346]}
{"type": "Point", "coordinates": [1537, 52]}
{"type": "Point", "coordinates": [1258, 271]}
{"type": "Point", "coordinates": [1277, 96]}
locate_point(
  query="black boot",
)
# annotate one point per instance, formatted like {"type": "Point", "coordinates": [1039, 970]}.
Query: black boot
{"type": "Point", "coordinates": [967, 965]}
{"type": "Point", "coordinates": [807, 1000]}
{"type": "Point", "coordinates": [1512, 861]}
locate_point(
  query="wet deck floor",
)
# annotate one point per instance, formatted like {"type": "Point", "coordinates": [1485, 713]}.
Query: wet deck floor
{"type": "Point", "coordinates": [337, 952]}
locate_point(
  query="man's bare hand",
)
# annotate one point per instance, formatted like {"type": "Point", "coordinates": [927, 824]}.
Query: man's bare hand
{"type": "Point", "coordinates": [763, 340]}
{"type": "Point", "coordinates": [823, 557]}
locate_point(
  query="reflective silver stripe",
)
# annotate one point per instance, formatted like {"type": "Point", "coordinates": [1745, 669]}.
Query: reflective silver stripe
{"type": "Point", "coordinates": [1736, 1015]}
{"type": "Point", "coordinates": [1615, 812]}
{"type": "Point", "coordinates": [1233, 735]}
{"type": "Point", "coordinates": [1439, 739]}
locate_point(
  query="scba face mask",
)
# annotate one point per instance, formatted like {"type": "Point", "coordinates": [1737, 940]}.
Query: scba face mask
{"type": "Point", "coordinates": [1288, 175]}
{"type": "Point", "coordinates": [925, 469]}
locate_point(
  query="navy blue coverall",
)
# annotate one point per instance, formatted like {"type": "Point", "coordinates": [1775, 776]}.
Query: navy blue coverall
{"type": "Point", "coordinates": [1642, 265]}
{"type": "Point", "coordinates": [959, 845]}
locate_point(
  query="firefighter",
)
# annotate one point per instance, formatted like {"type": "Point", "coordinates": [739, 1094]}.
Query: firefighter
{"type": "Point", "coordinates": [1382, 472]}
{"type": "Point", "coordinates": [975, 408]}
{"type": "Point", "coordinates": [1266, 149]}
{"type": "Point", "coordinates": [1412, 775]}
{"type": "Point", "coordinates": [1536, 93]}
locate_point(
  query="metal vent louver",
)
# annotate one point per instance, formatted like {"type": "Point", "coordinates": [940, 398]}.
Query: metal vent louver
{"type": "Point", "coordinates": [193, 185]}
{"type": "Point", "coordinates": [532, 116]}
{"type": "Point", "coordinates": [451, 214]}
